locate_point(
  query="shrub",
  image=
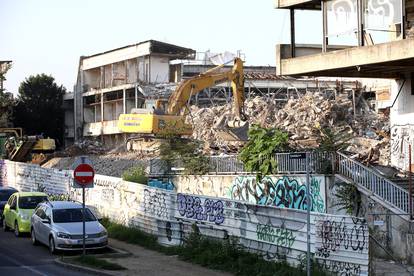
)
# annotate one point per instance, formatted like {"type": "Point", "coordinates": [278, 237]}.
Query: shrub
{"type": "Point", "coordinates": [135, 174]}
{"type": "Point", "coordinates": [258, 154]}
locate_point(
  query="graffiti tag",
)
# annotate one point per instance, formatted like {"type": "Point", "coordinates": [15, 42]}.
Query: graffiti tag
{"type": "Point", "coordinates": [283, 192]}
{"type": "Point", "coordinates": [193, 207]}
{"type": "Point", "coordinates": [278, 236]}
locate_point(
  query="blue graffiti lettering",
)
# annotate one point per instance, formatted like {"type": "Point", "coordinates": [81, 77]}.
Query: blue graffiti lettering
{"type": "Point", "coordinates": [193, 207]}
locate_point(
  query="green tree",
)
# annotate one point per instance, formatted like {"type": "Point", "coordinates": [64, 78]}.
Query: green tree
{"type": "Point", "coordinates": [6, 99]}
{"type": "Point", "coordinates": [258, 154]}
{"type": "Point", "coordinates": [332, 140]}
{"type": "Point", "coordinates": [174, 148]}
{"type": "Point", "coordinates": [39, 107]}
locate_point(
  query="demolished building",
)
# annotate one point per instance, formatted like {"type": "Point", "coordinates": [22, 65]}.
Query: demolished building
{"type": "Point", "coordinates": [113, 82]}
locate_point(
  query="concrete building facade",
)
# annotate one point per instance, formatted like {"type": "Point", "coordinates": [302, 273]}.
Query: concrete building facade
{"type": "Point", "coordinates": [107, 83]}
{"type": "Point", "coordinates": [376, 39]}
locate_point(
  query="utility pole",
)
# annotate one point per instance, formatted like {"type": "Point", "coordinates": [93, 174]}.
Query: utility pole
{"type": "Point", "coordinates": [308, 204]}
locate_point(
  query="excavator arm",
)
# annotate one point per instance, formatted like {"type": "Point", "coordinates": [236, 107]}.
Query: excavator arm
{"type": "Point", "coordinates": [190, 87]}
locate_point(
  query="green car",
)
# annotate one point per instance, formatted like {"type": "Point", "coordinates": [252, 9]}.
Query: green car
{"type": "Point", "coordinates": [19, 209]}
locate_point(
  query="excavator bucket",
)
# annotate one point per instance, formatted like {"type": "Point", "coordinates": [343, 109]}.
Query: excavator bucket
{"type": "Point", "coordinates": [232, 130]}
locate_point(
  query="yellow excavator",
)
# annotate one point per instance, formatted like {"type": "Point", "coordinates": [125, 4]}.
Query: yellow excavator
{"type": "Point", "coordinates": [18, 147]}
{"type": "Point", "coordinates": [161, 117]}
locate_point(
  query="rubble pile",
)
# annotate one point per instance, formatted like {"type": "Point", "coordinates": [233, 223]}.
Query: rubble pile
{"type": "Point", "coordinates": [86, 146]}
{"type": "Point", "coordinates": [112, 164]}
{"type": "Point", "coordinates": [302, 118]}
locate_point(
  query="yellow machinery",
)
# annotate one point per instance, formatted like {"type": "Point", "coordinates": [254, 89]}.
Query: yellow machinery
{"type": "Point", "coordinates": [16, 147]}
{"type": "Point", "coordinates": [168, 117]}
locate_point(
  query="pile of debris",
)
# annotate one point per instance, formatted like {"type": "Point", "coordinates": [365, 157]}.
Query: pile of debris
{"type": "Point", "coordinates": [85, 146]}
{"type": "Point", "coordinates": [303, 118]}
{"type": "Point", "coordinates": [112, 164]}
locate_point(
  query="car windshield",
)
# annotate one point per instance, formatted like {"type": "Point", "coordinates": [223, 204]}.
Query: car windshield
{"type": "Point", "coordinates": [5, 194]}
{"type": "Point", "coordinates": [30, 202]}
{"type": "Point", "coordinates": [71, 215]}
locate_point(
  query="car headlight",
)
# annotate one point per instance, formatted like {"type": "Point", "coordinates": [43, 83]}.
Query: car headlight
{"type": "Point", "coordinates": [103, 233]}
{"type": "Point", "coordinates": [24, 216]}
{"type": "Point", "coordinates": [63, 235]}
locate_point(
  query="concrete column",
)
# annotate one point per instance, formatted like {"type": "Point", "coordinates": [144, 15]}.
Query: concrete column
{"type": "Point", "coordinates": [102, 82]}
{"type": "Point", "coordinates": [360, 16]}
{"type": "Point", "coordinates": [324, 26]}
{"type": "Point", "coordinates": [112, 74]}
{"type": "Point", "coordinates": [126, 71]}
{"type": "Point", "coordinates": [102, 116]}
{"type": "Point", "coordinates": [292, 33]}
{"type": "Point", "coordinates": [102, 108]}
{"type": "Point", "coordinates": [137, 80]}
{"type": "Point", "coordinates": [136, 96]}
{"type": "Point", "coordinates": [124, 101]}
{"type": "Point", "coordinates": [149, 69]}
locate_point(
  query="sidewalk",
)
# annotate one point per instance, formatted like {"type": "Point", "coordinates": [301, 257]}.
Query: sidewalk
{"type": "Point", "coordinates": [390, 268]}
{"type": "Point", "coordinates": [144, 262]}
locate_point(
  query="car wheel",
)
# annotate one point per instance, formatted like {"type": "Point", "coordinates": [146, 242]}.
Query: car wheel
{"type": "Point", "coordinates": [16, 230]}
{"type": "Point", "coordinates": [33, 235]}
{"type": "Point", "coordinates": [52, 248]}
{"type": "Point", "coordinates": [5, 227]}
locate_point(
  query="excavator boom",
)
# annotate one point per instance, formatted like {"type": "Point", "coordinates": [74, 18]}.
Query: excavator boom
{"type": "Point", "coordinates": [148, 123]}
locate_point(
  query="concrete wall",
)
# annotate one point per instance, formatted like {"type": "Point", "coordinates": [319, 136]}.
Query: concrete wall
{"type": "Point", "coordinates": [160, 69]}
{"type": "Point", "coordinates": [402, 123]}
{"type": "Point", "coordinates": [279, 190]}
{"type": "Point", "coordinates": [389, 231]}
{"type": "Point", "coordinates": [95, 129]}
{"type": "Point", "coordinates": [339, 243]}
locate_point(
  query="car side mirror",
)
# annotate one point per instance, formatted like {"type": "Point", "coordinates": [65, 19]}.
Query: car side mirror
{"type": "Point", "coordinates": [100, 220]}
{"type": "Point", "coordinates": [46, 220]}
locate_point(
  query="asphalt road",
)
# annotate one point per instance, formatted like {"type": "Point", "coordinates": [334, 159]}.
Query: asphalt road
{"type": "Point", "coordinates": [19, 257]}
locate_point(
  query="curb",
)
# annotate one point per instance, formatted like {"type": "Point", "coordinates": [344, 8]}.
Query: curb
{"type": "Point", "coordinates": [82, 268]}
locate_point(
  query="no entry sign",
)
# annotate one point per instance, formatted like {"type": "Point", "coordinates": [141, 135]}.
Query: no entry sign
{"type": "Point", "coordinates": [83, 174]}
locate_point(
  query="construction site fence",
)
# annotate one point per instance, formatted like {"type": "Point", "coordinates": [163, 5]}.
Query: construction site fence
{"type": "Point", "coordinates": [287, 163]}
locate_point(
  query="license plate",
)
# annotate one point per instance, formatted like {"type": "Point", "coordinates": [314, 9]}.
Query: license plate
{"type": "Point", "coordinates": [86, 240]}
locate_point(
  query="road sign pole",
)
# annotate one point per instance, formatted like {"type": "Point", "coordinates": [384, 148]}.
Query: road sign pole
{"type": "Point", "coordinates": [83, 175]}
{"type": "Point", "coordinates": [308, 201]}
{"type": "Point", "coordinates": [83, 221]}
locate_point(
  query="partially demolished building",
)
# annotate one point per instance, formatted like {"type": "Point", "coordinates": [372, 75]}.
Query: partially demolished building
{"type": "Point", "coordinates": [113, 82]}
{"type": "Point", "coordinates": [379, 44]}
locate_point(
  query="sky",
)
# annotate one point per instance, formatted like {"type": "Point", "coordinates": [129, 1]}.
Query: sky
{"type": "Point", "coordinates": [49, 36]}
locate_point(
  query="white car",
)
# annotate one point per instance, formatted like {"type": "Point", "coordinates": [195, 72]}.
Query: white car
{"type": "Point", "coordinates": [58, 224]}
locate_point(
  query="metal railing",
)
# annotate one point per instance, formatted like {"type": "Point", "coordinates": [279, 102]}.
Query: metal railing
{"type": "Point", "coordinates": [320, 162]}
{"type": "Point", "coordinates": [372, 181]}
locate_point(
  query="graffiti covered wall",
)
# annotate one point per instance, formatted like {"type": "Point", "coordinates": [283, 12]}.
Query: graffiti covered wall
{"type": "Point", "coordinates": [281, 191]}
{"type": "Point", "coordinates": [339, 243]}
{"type": "Point", "coordinates": [401, 137]}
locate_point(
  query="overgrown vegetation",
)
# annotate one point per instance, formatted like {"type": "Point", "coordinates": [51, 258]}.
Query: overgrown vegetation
{"type": "Point", "coordinates": [59, 197]}
{"type": "Point", "coordinates": [95, 262]}
{"type": "Point", "coordinates": [136, 174]}
{"type": "Point", "coordinates": [257, 154]}
{"type": "Point", "coordinates": [6, 100]}
{"type": "Point", "coordinates": [222, 255]}
{"type": "Point", "coordinates": [187, 151]}
{"type": "Point", "coordinates": [349, 198]}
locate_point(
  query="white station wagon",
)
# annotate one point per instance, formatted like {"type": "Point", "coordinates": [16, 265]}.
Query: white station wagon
{"type": "Point", "coordinates": [58, 224]}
